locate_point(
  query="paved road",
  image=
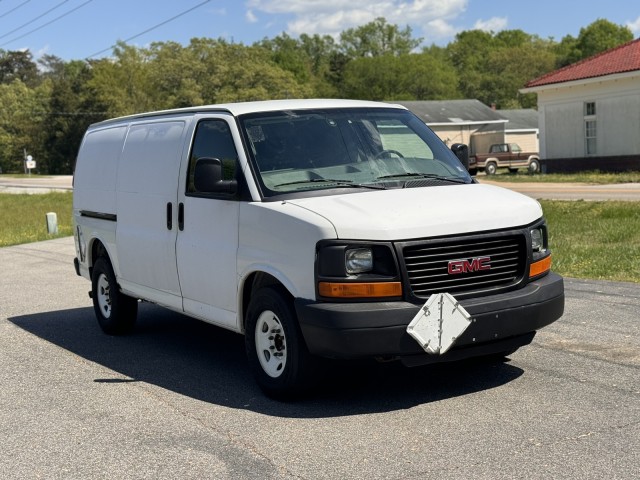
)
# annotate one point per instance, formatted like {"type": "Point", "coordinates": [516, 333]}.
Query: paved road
{"type": "Point", "coordinates": [573, 191]}
{"type": "Point", "coordinates": [35, 184]}
{"type": "Point", "coordinates": [175, 399]}
{"type": "Point", "coordinates": [548, 191]}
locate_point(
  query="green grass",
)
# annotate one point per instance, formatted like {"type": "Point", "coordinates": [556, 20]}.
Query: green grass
{"type": "Point", "coordinates": [22, 217]}
{"type": "Point", "coordinates": [592, 177]}
{"type": "Point", "coordinates": [599, 240]}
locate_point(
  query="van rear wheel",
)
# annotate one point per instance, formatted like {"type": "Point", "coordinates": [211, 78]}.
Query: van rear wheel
{"type": "Point", "coordinates": [115, 311]}
{"type": "Point", "coordinates": [277, 354]}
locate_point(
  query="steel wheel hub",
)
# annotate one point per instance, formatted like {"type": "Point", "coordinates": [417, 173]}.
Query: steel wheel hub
{"type": "Point", "coordinates": [271, 344]}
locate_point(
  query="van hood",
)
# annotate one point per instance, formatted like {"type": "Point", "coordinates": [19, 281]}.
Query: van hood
{"type": "Point", "coordinates": [403, 214]}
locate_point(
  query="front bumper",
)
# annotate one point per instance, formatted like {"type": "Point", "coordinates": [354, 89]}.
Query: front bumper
{"type": "Point", "coordinates": [503, 322]}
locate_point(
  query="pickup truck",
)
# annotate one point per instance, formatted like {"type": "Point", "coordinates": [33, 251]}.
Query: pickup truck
{"type": "Point", "coordinates": [508, 155]}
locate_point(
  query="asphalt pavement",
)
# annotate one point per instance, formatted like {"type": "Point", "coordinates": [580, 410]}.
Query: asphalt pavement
{"type": "Point", "coordinates": [175, 398]}
{"type": "Point", "coordinates": [572, 191]}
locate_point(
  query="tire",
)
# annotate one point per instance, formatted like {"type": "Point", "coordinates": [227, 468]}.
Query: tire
{"type": "Point", "coordinates": [534, 166]}
{"type": "Point", "coordinates": [277, 354]}
{"type": "Point", "coordinates": [115, 311]}
{"type": "Point", "coordinates": [490, 168]}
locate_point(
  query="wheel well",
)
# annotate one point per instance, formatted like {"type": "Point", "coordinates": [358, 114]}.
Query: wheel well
{"type": "Point", "coordinates": [253, 283]}
{"type": "Point", "coordinates": [97, 250]}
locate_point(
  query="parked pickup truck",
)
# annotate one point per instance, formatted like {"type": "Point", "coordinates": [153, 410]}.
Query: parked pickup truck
{"type": "Point", "coordinates": [508, 155]}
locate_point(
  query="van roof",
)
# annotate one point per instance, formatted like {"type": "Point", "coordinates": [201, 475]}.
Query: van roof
{"type": "Point", "coordinates": [263, 106]}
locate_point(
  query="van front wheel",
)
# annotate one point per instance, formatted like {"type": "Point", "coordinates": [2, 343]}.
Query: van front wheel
{"type": "Point", "coordinates": [115, 311]}
{"type": "Point", "coordinates": [277, 354]}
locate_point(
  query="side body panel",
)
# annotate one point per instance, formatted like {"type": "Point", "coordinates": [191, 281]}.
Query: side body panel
{"type": "Point", "coordinates": [146, 197]}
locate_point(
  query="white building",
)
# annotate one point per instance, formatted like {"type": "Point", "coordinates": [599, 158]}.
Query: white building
{"type": "Point", "coordinates": [589, 112]}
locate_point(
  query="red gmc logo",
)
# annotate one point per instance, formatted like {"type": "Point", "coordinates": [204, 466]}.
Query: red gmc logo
{"type": "Point", "coordinates": [477, 264]}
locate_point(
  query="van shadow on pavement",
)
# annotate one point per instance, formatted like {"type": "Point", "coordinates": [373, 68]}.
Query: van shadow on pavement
{"type": "Point", "coordinates": [207, 363]}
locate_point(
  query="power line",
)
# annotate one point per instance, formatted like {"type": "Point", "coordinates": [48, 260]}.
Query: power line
{"type": "Point", "coordinates": [150, 29]}
{"type": "Point", "coordinates": [47, 24]}
{"type": "Point", "coordinates": [33, 20]}
{"type": "Point", "coordinates": [14, 8]}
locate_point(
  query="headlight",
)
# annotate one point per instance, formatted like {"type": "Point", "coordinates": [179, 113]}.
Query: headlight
{"type": "Point", "coordinates": [537, 240]}
{"type": "Point", "coordinates": [358, 260]}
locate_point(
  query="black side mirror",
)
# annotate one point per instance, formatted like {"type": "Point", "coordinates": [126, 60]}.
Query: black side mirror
{"type": "Point", "coordinates": [208, 177]}
{"type": "Point", "coordinates": [461, 151]}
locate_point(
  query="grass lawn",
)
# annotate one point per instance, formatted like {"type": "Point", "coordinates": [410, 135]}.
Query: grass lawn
{"type": "Point", "coordinates": [596, 178]}
{"type": "Point", "coordinates": [22, 217]}
{"type": "Point", "coordinates": [599, 240]}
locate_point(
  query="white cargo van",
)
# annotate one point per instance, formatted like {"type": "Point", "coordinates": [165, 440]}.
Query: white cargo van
{"type": "Point", "coordinates": [316, 228]}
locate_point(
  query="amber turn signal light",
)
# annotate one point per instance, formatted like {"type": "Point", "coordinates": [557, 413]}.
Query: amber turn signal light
{"type": "Point", "coordinates": [360, 290]}
{"type": "Point", "coordinates": [540, 267]}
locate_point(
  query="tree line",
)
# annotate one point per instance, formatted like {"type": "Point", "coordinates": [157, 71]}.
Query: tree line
{"type": "Point", "coordinates": [46, 105]}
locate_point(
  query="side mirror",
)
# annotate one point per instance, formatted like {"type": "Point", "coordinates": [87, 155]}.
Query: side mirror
{"type": "Point", "coordinates": [208, 177]}
{"type": "Point", "coordinates": [461, 151]}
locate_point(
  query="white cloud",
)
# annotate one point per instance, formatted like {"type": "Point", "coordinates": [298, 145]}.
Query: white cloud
{"type": "Point", "coordinates": [634, 26]}
{"type": "Point", "coordinates": [440, 28]}
{"type": "Point", "coordinates": [250, 16]}
{"type": "Point", "coordinates": [428, 18]}
{"type": "Point", "coordinates": [494, 24]}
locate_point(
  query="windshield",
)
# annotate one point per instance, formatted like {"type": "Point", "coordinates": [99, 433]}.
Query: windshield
{"type": "Point", "coordinates": [307, 150]}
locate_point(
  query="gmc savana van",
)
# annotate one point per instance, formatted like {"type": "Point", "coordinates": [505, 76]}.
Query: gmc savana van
{"type": "Point", "coordinates": [316, 228]}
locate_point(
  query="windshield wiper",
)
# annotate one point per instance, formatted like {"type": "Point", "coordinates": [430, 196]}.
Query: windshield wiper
{"type": "Point", "coordinates": [423, 175]}
{"type": "Point", "coordinates": [337, 183]}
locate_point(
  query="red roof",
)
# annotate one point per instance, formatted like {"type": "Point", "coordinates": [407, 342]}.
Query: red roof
{"type": "Point", "coordinates": [625, 58]}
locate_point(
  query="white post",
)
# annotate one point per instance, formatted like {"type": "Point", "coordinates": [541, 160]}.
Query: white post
{"type": "Point", "coordinates": [52, 223]}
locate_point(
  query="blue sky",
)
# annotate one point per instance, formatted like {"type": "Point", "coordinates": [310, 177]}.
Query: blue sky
{"type": "Point", "coordinates": [77, 29]}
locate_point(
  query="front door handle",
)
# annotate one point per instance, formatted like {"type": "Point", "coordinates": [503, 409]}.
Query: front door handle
{"type": "Point", "coordinates": [181, 216]}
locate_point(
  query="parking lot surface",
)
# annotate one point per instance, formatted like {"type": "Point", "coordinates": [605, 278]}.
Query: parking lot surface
{"type": "Point", "coordinates": [176, 400]}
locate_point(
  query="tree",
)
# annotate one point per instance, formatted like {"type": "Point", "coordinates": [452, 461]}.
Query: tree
{"type": "Point", "coordinates": [407, 77]}
{"type": "Point", "coordinates": [376, 39]}
{"type": "Point", "coordinates": [287, 53]}
{"type": "Point", "coordinates": [22, 114]}
{"type": "Point", "coordinates": [428, 76]}
{"type": "Point", "coordinates": [176, 76]}
{"type": "Point", "coordinates": [468, 54]}
{"type": "Point", "coordinates": [72, 108]}
{"type": "Point", "coordinates": [509, 69]}
{"type": "Point", "coordinates": [493, 67]}
{"type": "Point", "coordinates": [18, 65]}
{"type": "Point", "coordinates": [122, 83]}
{"type": "Point", "coordinates": [602, 35]}
{"type": "Point", "coordinates": [595, 38]}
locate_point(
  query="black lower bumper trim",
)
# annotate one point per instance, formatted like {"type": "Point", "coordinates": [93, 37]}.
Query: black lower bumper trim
{"type": "Point", "coordinates": [358, 330]}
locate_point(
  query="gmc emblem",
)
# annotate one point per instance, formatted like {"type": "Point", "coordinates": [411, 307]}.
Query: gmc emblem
{"type": "Point", "coordinates": [477, 264]}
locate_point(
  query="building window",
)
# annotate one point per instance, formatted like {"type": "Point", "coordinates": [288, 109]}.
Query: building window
{"type": "Point", "coordinates": [590, 136]}
{"type": "Point", "coordinates": [590, 128]}
{"type": "Point", "coordinates": [589, 109]}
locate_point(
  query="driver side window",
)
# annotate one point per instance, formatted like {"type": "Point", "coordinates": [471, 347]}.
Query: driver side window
{"type": "Point", "coordinates": [213, 139]}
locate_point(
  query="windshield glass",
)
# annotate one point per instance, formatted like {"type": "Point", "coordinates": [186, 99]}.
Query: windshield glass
{"type": "Point", "coordinates": [303, 150]}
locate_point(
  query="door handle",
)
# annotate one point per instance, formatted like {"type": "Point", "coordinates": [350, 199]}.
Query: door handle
{"type": "Point", "coordinates": [169, 216]}
{"type": "Point", "coordinates": [181, 216]}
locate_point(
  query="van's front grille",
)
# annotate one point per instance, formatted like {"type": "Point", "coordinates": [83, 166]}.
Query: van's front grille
{"type": "Point", "coordinates": [465, 264]}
